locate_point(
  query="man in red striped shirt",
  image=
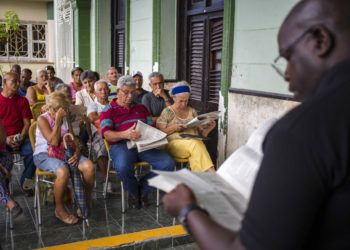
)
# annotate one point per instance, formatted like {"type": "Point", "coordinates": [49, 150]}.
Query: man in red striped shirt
{"type": "Point", "coordinates": [118, 122]}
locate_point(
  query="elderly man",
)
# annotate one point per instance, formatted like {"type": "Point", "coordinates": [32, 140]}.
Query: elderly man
{"type": "Point", "coordinates": [15, 115]}
{"type": "Point", "coordinates": [301, 195]}
{"type": "Point", "coordinates": [93, 112]}
{"type": "Point", "coordinates": [112, 78]}
{"type": "Point", "coordinates": [118, 122]}
{"type": "Point", "coordinates": [159, 98]}
{"type": "Point", "coordinates": [139, 92]}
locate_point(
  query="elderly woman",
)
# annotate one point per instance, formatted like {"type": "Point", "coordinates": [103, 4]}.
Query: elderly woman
{"type": "Point", "coordinates": [87, 95]}
{"type": "Point", "coordinates": [75, 84]}
{"type": "Point", "coordinates": [41, 89]}
{"type": "Point", "coordinates": [52, 125]}
{"type": "Point", "coordinates": [172, 121]}
{"type": "Point", "coordinates": [6, 165]}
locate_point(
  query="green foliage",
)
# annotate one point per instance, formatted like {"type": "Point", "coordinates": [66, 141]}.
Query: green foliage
{"type": "Point", "coordinates": [11, 24]}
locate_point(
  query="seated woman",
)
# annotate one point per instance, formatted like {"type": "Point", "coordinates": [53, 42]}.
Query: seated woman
{"type": "Point", "coordinates": [75, 85]}
{"type": "Point", "coordinates": [172, 121]}
{"type": "Point", "coordinates": [87, 95]}
{"type": "Point", "coordinates": [41, 89]}
{"type": "Point", "coordinates": [52, 125]}
{"type": "Point", "coordinates": [6, 164]}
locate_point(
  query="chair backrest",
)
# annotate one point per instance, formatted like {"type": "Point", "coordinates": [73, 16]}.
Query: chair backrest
{"type": "Point", "coordinates": [31, 132]}
{"type": "Point", "coordinates": [36, 109]}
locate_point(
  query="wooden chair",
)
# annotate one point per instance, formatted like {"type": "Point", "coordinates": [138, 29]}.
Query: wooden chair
{"type": "Point", "coordinates": [40, 176]}
{"type": "Point", "coordinates": [138, 167]}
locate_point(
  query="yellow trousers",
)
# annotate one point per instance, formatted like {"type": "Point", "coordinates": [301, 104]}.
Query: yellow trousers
{"type": "Point", "coordinates": [193, 150]}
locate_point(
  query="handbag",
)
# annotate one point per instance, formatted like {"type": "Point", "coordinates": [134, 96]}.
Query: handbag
{"type": "Point", "coordinates": [56, 151]}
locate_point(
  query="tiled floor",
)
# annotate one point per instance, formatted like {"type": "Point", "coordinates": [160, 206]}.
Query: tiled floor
{"type": "Point", "coordinates": [105, 219]}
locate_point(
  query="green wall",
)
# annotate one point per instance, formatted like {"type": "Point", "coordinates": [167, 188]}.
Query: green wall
{"type": "Point", "coordinates": [167, 40]}
{"type": "Point", "coordinates": [255, 44]}
{"type": "Point", "coordinates": [101, 35]}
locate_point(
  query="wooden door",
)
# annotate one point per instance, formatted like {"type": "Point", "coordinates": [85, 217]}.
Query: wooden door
{"type": "Point", "coordinates": [201, 32]}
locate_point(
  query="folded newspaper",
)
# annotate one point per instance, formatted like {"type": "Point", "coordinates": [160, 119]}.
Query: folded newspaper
{"type": "Point", "coordinates": [224, 194]}
{"type": "Point", "coordinates": [150, 138]}
{"type": "Point", "coordinates": [203, 119]}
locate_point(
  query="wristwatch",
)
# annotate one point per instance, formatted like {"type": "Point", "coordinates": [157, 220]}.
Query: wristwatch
{"type": "Point", "coordinates": [184, 214]}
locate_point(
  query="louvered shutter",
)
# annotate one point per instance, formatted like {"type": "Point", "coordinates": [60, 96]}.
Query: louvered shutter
{"type": "Point", "coordinates": [119, 54]}
{"type": "Point", "coordinates": [215, 37]}
{"type": "Point", "coordinates": [118, 38]}
{"type": "Point", "coordinates": [196, 60]}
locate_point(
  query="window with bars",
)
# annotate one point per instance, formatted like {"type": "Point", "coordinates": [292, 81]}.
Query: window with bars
{"type": "Point", "coordinates": [28, 43]}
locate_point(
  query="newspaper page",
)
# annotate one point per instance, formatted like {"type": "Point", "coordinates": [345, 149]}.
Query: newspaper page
{"type": "Point", "coordinates": [224, 194]}
{"type": "Point", "coordinates": [150, 138]}
{"type": "Point", "coordinates": [241, 167]}
{"type": "Point", "coordinates": [203, 119]}
{"type": "Point", "coordinates": [224, 204]}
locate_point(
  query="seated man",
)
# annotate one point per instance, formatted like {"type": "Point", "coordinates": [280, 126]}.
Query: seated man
{"type": "Point", "coordinates": [112, 78]}
{"type": "Point", "coordinates": [140, 92]}
{"type": "Point", "coordinates": [118, 121]}
{"type": "Point", "coordinates": [159, 98]}
{"type": "Point", "coordinates": [93, 112]}
{"type": "Point", "coordinates": [25, 82]}
{"type": "Point", "coordinates": [15, 115]}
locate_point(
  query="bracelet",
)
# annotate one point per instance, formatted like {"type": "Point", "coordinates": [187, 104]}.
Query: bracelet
{"type": "Point", "coordinates": [184, 214]}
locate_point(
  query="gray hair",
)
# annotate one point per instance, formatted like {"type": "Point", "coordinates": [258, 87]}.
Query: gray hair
{"type": "Point", "coordinates": [99, 82]}
{"type": "Point", "coordinates": [62, 87]}
{"type": "Point", "coordinates": [155, 74]}
{"type": "Point", "coordinates": [178, 84]}
{"type": "Point", "coordinates": [126, 81]}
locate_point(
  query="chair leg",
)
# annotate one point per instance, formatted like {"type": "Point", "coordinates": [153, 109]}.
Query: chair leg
{"type": "Point", "coordinates": [9, 215]}
{"type": "Point", "coordinates": [157, 198]}
{"type": "Point", "coordinates": [37, 199]}
{"type": "Point", "coordinates": [106, 181]}
{"type": "Point", "coordinates": [123, 196]}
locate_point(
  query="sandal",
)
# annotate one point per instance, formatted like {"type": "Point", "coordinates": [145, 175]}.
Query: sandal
{"type": "Point", "coordinates": [70, 219]}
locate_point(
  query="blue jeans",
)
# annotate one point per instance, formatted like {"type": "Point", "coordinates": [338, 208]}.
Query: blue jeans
{"type": "Point", "coordinates": [124, 160]}
{"type": "Point", "coordinates": [27, 153]}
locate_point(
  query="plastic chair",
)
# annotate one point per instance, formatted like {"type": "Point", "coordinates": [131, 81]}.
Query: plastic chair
{"type": "Point", "coordinates": [138, 166]}
{"type": "Point", "coordinates": [40, 176]}
{"type": "Point", "coordinates": [36, 109]}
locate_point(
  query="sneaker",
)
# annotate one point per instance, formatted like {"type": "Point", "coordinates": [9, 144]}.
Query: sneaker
{"type": "Point", "coordinates": [28, 184]}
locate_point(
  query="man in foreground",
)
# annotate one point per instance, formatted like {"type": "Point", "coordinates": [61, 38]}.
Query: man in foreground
{"type": "Point", "coordinates": [300, 199]}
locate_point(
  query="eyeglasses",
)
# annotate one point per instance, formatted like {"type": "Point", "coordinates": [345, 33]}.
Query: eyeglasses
{"type": "Point", "coordinates": [280, 63]}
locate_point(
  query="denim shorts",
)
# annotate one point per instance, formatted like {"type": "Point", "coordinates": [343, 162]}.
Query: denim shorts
{"type": "Point", "coordinates": [50, 164]}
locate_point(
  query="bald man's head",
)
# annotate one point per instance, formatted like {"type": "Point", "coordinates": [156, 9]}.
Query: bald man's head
{"type": "Point", "coordinates": [313, 38]}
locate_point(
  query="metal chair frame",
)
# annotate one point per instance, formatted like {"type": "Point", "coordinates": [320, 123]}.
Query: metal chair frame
{"type": "Point", "coordinates": [138, 166]}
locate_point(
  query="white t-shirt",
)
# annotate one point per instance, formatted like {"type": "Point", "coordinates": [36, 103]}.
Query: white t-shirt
{"type": "Point", "coordinates": [83, 98]}
{"type": "Point", "coordinates": [95, 107]}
